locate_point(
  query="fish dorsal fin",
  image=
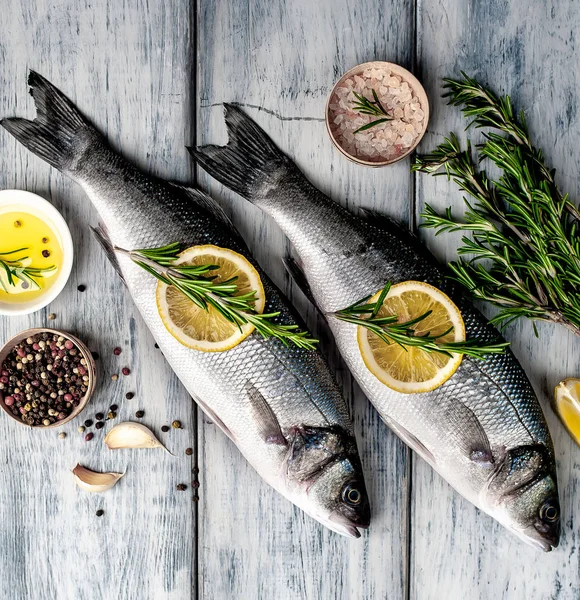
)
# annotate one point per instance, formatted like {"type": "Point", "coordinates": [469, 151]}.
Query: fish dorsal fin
{"type": "Point", "coordinates": [297, 274]}
{"type": "Point", "coordinates": [104, 240]}
{"type": "Point", "coordinates": [207, 203]}
{"type": "Point", "coordinates": [268, 425]}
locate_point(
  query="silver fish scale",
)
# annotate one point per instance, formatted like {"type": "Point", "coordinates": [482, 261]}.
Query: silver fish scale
{"type": "Point", "coordinates": [347, 258]}
{"type": "Point", "coordinates": [141, 212]}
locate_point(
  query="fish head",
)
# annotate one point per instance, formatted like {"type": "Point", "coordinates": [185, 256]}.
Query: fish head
{"type": "Point", "coordinates": [323, 466]}
{"type": "Point", "coordinates": [525, 493]}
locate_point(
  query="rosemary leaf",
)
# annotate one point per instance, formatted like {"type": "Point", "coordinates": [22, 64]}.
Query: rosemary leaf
{"type": "Point", "coordinates": [391, 331]}
{"type": "Point", "coordinates": [204, 291]}
{"type": "Point", "coordinates": [522, 231]}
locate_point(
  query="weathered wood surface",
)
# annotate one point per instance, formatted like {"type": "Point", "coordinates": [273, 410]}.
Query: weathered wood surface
{"type": "Point", "coordinates": [144, 73]}
{"type": "Point", "coordinates": [115, 63]}
{"type": "Point", "coordinates": [287, 57]}
{"type": "Point", "coordinates": [526, 50]}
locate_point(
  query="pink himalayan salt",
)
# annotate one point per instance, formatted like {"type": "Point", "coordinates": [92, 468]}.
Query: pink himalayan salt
{"type": "Point", "coordinates": [385, 141]}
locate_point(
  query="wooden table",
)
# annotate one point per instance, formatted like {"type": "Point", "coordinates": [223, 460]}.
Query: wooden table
{"type": "Point", "coordinates": [152, 75]}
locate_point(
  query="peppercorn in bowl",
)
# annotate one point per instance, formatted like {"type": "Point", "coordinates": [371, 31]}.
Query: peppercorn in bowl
{"type": "Point", "coordinates": [46, 377]}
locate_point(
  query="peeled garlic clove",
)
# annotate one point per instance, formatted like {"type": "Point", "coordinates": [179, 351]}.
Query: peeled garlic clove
{"type": "Point", "coordinates": [132, 435]}
{"type": "Point", "coordinates": [92, 481]}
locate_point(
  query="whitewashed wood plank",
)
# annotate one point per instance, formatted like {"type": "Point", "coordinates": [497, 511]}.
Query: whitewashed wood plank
{"type": "Point", "coordinates": [528, 51]}
{"type": "Point", "coordinates": [280, 60]}
{"type": "Point", "coordinates": [129, 68]}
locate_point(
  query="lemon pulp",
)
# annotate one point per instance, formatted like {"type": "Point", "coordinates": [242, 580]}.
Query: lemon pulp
{"type": "Point", "coordinates": [208, 330]}
{"type": "Point", "coordinates": [411, 369]}
{"type": "Point", "coordinates": [25, 230]}
{"type": "Point", "coordinates": [567, 406]}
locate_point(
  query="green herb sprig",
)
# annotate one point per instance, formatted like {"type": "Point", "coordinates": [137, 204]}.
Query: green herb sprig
{"type": "Point", "coordinates": [367, 107]}
{"type": "Point", "coordinates": [197, 283]}
{"type": "Point", "coordinates": [523, 244]}
{"type": "Point", "coordinates": [16, 268]}
{"type": "Point", "coordinates": [391, 331]}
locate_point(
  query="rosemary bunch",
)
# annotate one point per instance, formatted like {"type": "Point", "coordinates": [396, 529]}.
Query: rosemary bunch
{"type": "Point", "coordinates": [16, 268]}
{"type": "Point", "coordinates": [391, 331]}
{"type": "Point", "coordinates": [367, 107]}
{"type": "Point", "coordinates": [523, 245]}
{"type": "Point", "coordinates": [197, 284]}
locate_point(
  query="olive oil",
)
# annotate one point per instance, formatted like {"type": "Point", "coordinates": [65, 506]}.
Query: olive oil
{"type": "Point", "coordinates": [42, 248]}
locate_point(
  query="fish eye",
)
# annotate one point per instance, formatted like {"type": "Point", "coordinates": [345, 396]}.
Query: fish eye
{"type": "Point", "coordinates": [549, 512]}
{"type": "Point", "coordinates": [351, 495]}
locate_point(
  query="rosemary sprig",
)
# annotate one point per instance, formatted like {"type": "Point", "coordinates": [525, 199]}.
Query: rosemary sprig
{"type": "Point", "coordinates": [404, 334]}
{"type": "Point", "coordinates": [523, 244]}
{"type": "Point", "coordinates": [17, 268]}
{"type": "Point", "coordinates": [367, 107]}
{"type": "Point", "coordinates": [197, 284]}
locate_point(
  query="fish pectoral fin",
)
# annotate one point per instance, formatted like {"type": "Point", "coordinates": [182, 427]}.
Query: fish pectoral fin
{"type": "Point", "coordinates": [268, 425]}
{"type": "Point", "coordinates": [295, 271]}
{"type": "Point", "coordinates": [206, 203]}
{"type": "Point", "coordinates": [104, 240]}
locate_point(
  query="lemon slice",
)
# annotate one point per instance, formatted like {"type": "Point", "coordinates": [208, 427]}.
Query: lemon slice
{"type": "Point", "coordinates": [567, 406]}
{"type": "Point", "coordinates": [413, 370]}
{"type": "Point", "coordinates": [208, 330]}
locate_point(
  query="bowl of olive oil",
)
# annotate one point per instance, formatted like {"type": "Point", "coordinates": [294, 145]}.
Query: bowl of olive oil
{"type": "Point", "coordinates": [36, 252]}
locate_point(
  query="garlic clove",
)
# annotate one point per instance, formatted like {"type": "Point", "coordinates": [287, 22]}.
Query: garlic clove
{"type": "Point", "coordinates": [132, 435]}
{"type": "Point", "coordinates": [93, 481]}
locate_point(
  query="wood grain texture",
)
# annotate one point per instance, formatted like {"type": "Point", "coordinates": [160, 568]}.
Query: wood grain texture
{"type": "Point", "coordinates": [119, 64]}
{"type": "Point", "coordinates": [279, 60]}
{"type": "Point", "coordinates": [526, 50]}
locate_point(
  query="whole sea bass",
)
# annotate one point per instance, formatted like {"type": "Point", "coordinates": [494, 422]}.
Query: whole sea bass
{"type": "Point", "coordinates": [279, 404]}
{"type": "Point", "coordinates": [483, 430]}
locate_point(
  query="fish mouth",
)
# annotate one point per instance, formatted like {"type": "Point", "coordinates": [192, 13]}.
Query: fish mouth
{"type": "Point", "coordinates": [540, 536]}
{"type": "Point", "coordinates": [345, 526]}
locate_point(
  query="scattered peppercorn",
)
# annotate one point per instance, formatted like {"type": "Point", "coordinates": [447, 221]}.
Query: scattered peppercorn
{"type": "Point", "coordinates": [156, 345]}
{"type": "Point", "coordinates": [89, 437]}
{"type": "Point", "coordinates": [176, 425]}
{"type": "Point", "coordinates": [195, 470]}
{"type": "Point", "coordinates": [46, 253]}
{"type": "Point", "coordinates": [195, 499]}
{"type": "Point", "coordinates": [113, 407]}
{"type": "Point", "coordinates": [81, 429]}
{"type": "Point", "coordinates": [95, 355]}
{"type": "Point", "coordinates": [111, 415]}
{"type": "Point", "coordinates": [189, 451]}
{"type": "Point", "coordinates": [126, 371]}
{"type": "Point", "coordinates": [52, 316]}
{"type": "Point", "coordinates": [17, 224]}
{"type": "Point", "coordinates": [45, 240]}
{"type": "Point", "coordinates": [100, 512]}
{"type": "Point", "coordinates": [129, 395]}
{"type": "Point", "coordinates": [62, 435]}
{"type": "Point", "coordinates": [99, 425]}
{"type": "Point", "coordinates": [99, 416]}
{"type": "Point", "coordinates": [181, 487]}
{"type": "Point", "coordinates": [140, 414]}
{"type": "Point", "coordinates": [117, 351]}
{"type": "Point", "coordinates": [195, 484]}
{"type": "Point", "coordinates": [114, 377]}
{"type": "Point", "coordinates": [165, 429]}
{"type": "Point", "coordinates": [82, 288]}
{"type": "Point", "coordinates": [88, 423]}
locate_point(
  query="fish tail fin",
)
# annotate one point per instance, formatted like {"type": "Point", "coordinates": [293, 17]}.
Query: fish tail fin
{"type": "Point", "coordinates": [59, 126]}
{"type": "Point", "coordinates": [249, 159]}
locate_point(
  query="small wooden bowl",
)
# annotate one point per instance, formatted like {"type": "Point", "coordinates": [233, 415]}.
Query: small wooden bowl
{"type": "Point", "coordinates": [414, 84]}
{"type": "Point", "coordinates": [86, 354]}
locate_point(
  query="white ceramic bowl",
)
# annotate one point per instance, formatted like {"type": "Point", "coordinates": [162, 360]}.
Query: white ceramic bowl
{"type": "Point", "coordinates": [19, 200]}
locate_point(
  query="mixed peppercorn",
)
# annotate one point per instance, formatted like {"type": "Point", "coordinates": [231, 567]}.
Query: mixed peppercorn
{"type": "Point", "coordinates": [43, 379]}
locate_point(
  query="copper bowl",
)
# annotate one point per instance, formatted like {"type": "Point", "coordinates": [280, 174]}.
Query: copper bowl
{"type": "Point", "coordinates": [414, 84]}
{"type": "Point", "coordinates": [86, 354]}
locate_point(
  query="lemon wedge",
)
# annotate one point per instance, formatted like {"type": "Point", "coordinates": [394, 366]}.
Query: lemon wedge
{"type": "Point", "coordinates": [208, 330]}
{"type": "Point", "coordinates": [413, 370]}
{"type": "Point", "coordinates": [567, 406]}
